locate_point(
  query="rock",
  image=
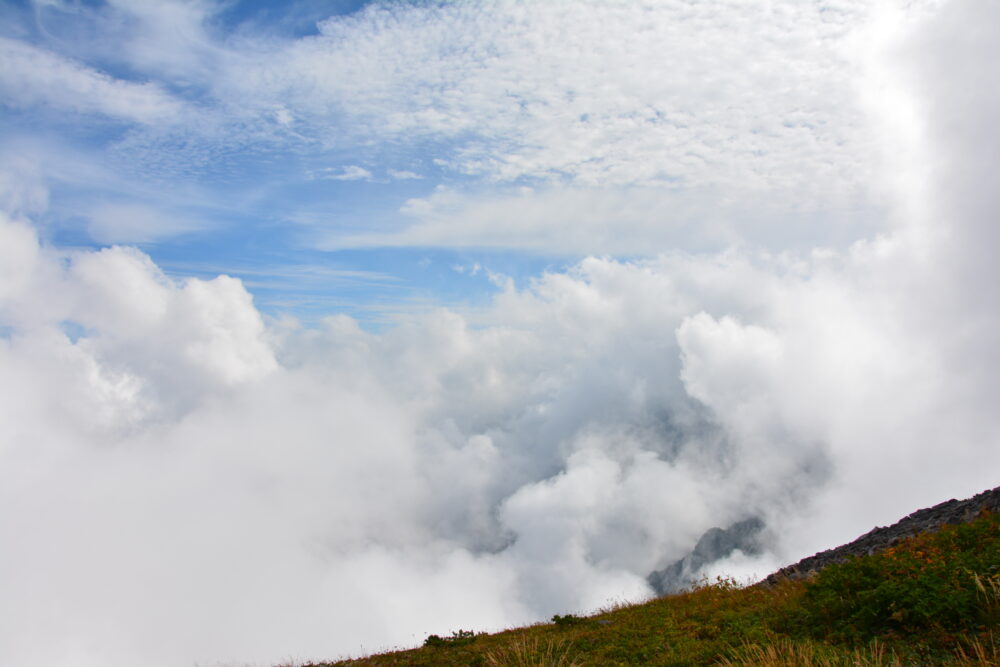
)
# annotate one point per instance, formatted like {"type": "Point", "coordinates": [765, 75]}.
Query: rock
{"type": "Point", "coordinates": [950, 512]}
{"type": "Point", "coordinates": [715, 544]}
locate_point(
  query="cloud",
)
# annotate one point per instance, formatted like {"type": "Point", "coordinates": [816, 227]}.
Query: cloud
{"type": "Point", "coordinates": [185, 480]}
{"type": "Point", "coordinates": [76, 188]}
{"type": "Point", "coordinates": [33, 76]}
{"type": "Point", "coordinates": [22, 189]}
{"type": "Point", "coordinates": [619, 221]}
{"type": "Point", "coordinates": [660, 107]}
{"type": "Point", "coordinates": [522, 100]}
{"type": "Point", "coordinates": [498, 92]}
{"type": "Point", "coordinates": [619, 161]}
{"type": "Point", "coordinates": [172, 40]}
{"type": "Point", "coordinates": [404, 175]}
{"type": "Point", "coordinates": [349, 173]}
{"type": "Point", "coordinates": [542, 455]}
{"type": "Point", "coordinates": [135, 223]}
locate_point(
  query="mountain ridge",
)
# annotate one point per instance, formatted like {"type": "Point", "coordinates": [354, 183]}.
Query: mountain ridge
{"type": "Point", "coordinates": [880, 538]}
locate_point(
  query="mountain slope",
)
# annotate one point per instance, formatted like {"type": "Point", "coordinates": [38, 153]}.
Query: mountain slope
{"type": "Point", "coordinates": [924, 591]}
{"type": "Point", "coordinates": [950, 512]}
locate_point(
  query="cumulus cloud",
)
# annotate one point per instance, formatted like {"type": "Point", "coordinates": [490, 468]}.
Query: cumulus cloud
{"type": "Point", "coordinates": [174, 463]}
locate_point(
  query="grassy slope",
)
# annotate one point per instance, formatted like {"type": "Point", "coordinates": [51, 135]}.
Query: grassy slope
{"type": "Point", "coordinates": [929, 600]}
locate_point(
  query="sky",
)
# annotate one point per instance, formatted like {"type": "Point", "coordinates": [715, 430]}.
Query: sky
{"type": "Point", "coordinates": [325, 326]}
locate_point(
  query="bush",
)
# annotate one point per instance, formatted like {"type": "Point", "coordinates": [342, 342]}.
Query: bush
{"type": "Point", "coordinates": [931, 587]}
{"type": "Point", "coordinates": [567, 620]}
{"type": "Point", "coordinates": [458, 638]}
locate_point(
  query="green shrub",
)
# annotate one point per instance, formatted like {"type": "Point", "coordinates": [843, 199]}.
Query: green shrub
{"type": "Point", "coordinates": [930, 587]}
{"type": "Point", "coordinates": [568, 619]}
{"type": "Point", "coordinates": [458, 638]}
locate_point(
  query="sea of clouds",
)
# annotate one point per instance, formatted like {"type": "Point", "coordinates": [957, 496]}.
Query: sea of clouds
{"type": "Point", "coordinates": [184, 480]}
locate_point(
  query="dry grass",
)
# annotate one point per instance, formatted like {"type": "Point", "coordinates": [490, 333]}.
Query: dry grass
{"type": "Point", "coordinates": [525, 652]}
{"type": "Point", "coordinates": [786, 653]}
{"type": "Point", "coordinates": [988, 588]}
{"type": "Point", "coordinates": [980, 653]}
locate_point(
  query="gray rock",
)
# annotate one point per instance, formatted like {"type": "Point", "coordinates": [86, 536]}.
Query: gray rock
{"type": "Point", "coordinates": [950, 512]}
{"type": "Point", "coordinates": [715, 544]}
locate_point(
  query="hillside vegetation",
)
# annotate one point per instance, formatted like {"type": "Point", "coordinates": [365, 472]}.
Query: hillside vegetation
{"type": "Point", "coordinates": [933, 599]}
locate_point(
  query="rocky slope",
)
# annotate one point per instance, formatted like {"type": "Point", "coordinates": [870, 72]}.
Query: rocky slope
{"type": "Point", "coordinates": [880, 538]}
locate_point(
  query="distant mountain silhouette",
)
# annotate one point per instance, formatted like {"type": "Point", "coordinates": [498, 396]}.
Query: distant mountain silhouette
{"type": "Point", "coordinates": [715, 544]}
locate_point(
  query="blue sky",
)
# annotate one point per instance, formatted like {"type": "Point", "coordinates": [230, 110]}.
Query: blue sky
{"type": "Point", "coordinates": [314, 312]}
{"type": "Point", "coordinates": [348, 157]}
{"type": "Point", "coordinates": [202, 204]}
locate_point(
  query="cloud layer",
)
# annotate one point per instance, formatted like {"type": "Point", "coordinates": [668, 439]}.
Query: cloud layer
{"type": "Point", "coordinates": [187, 482]}
{"type": "Point", "coordinates": [184, 479]}
{"type": "Point", "coordinates": [748, 117]}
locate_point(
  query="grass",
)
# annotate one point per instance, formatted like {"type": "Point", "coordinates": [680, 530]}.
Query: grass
{"type": "Point", "coordinates": [931, 600]}
{"type": "Point", "coordinates": [787, 653]}
{"type": "Point", "coordinates": [532, 652]}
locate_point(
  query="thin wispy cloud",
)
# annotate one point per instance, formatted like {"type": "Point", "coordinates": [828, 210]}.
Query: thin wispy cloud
{"type": "Point", "coordinates": [349, 173]}
{"type": "Point", "coordinates": [34, 77]}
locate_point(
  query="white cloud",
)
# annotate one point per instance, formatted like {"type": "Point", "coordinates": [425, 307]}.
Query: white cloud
{"type": "Point", "coordinates": [349, 173]}
{"type": "Point", "coordinates": [539, 456]}
{"type": "Point", "coordinates": [20, 255]}
{"type": "Point", "coordinates": [566, 415]}
{"type": "Point", "coordinates": [735, 124]}
{"type": "Point", "coordinates": [524, 100]}
{"type": "Point", "coordinates": [656, 126]}
{"type": "Point", "coordinates": [176, 40]}
{"type": "Point", "coordinates": [281, 491]}
{"type": "Point", "coordinates": [617, 221]}
{"type": "Point", "coordinates": [32, 76]}
{"type": "Point", "coordinates": [404, 175]}
{"type": "Point", "coordinates": [22, 189]}
{"type": "Point", "coordinates": [135, 223]}
{"type": "Point", "coordinates": [586, 94]}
